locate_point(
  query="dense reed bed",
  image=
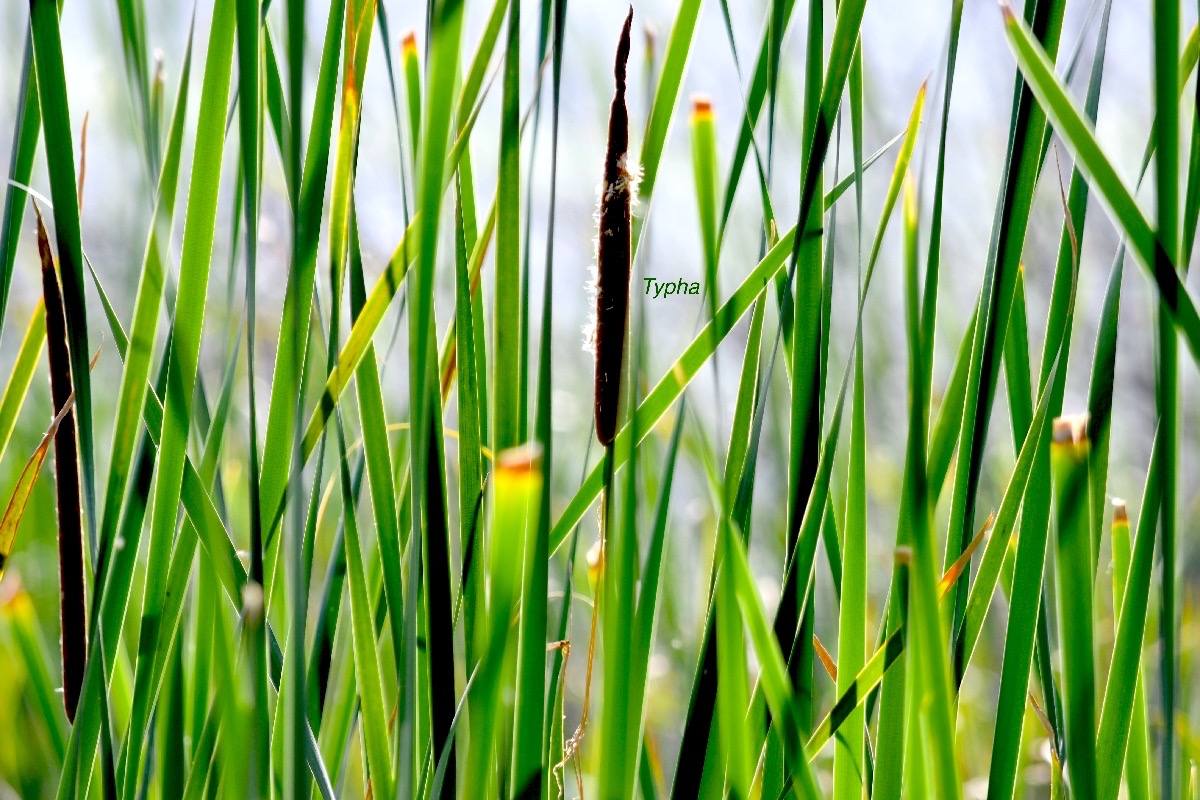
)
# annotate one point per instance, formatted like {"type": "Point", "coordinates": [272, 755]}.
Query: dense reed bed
{"type": "Point", "coordinates": [326, 523]}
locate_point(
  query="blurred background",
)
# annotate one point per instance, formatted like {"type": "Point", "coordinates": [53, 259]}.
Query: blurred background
{"type": "Point", "coordinates": [903, 44]}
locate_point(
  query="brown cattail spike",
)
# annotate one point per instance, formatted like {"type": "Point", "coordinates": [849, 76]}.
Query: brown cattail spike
{"type": "Point", "coordinates": [613, 253]}
{"type": "Point", "coordinates": [66, 467]}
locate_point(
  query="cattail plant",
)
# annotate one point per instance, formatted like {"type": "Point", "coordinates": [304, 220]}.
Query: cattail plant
{"type": "Point", "coordinates": [606, 340]}
{"type": "Point", "coordinates": [70, 525]}
{"type": "Point", "coordinates": [613, 249]}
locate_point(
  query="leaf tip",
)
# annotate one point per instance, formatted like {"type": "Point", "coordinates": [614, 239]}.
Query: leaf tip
{"type": "Point", "coordinates": [1120, 511]}
{"type": "Point", "coordinates": [1071, 429]}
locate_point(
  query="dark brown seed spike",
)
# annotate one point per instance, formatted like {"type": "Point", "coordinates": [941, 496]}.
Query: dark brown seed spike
{"type": "Point", "coordinates": [66, 467]}
{"type": "Point", "coordinates": [613, 253]}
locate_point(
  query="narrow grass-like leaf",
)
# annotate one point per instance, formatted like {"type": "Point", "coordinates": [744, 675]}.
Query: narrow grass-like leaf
{"type": "Point", "coordinates": [943, 436]}
{"type": "Point", "coordinates": [704, 169]}
{"type": "Point", "coordinates": [515, 500]}
{"type": "Point", "coordinates": [1120, 726]}
{"type": "Point", "coordinates": [1073, 559]}
{"type": "Point", "coordinates": [470, 419]}
{"type": "Point", "coordinates": [412, 86]}
{"type": "Point", "coordinates": [931, 676]}
{"type": "Point", "coordinates": [252, 689]}
{"type": "Point", "coordinates": [10, 523]}
{"type": "Point", "coordinates": [529, 751]}
{"type": "Point", "coordinates": [56, 125]}
{"type": "Point", "coordinates": [28, 122]}
{"type": "Point", "coordinates": [379, 474]}
{"type": "Point", "coordinates": [551, 700]}
{"type": "Point", "coordinates": [473, 82]}
{"type": "Point", "coordinates": [132, 18]}
{"type": "Point", "coordinates": [849, 765]}
{"type": "Point", "coordinates": [774, 677]}
{"type": "Point", "coordinates": [445, 26]}
{"type": "Point", "coordinates": [649, 599]}
{"type": "Point", "coordinates": [670, 83]}
{"type": "Point", "coordinates": [366, 652]}
{"type": "Point", "coordinates": [446, 18]}
{"type": "Point", "coordinates": [439, 596]}
{"type": "Point", "coordinates": [1100, 387]}
{"type": "Point", "coordinates": [169, 747]}
{"type": "Point", "coordinates": [1166, 18]}
{"type": "Point", "coordinates": [934, 257]}
{"type": "Point", "coordinates": [732, 678]}
{"type": "Point", "coordinates": [809, 343]}
{"type": "Point", "coordinates": [762, 84]}
{"type": "Point", "coordinates": [739, 462]}
{"type": "Point", "coordinates": [21, 375]}
{"type": "Point", "coordinates": [507, 356]}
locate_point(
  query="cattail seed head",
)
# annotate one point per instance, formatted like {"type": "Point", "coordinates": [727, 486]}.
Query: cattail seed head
{"type": "Point", "coordinates": [613, 249]}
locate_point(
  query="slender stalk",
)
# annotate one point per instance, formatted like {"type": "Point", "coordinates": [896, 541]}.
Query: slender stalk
{"type": "Point", "coordinates": [1073, 568]}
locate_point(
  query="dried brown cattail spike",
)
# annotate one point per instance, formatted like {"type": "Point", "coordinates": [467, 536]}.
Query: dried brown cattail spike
{"type": "Point", "coordinates": [66, 468]}
{"type": "Point", "coordinates": [613, 252]}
